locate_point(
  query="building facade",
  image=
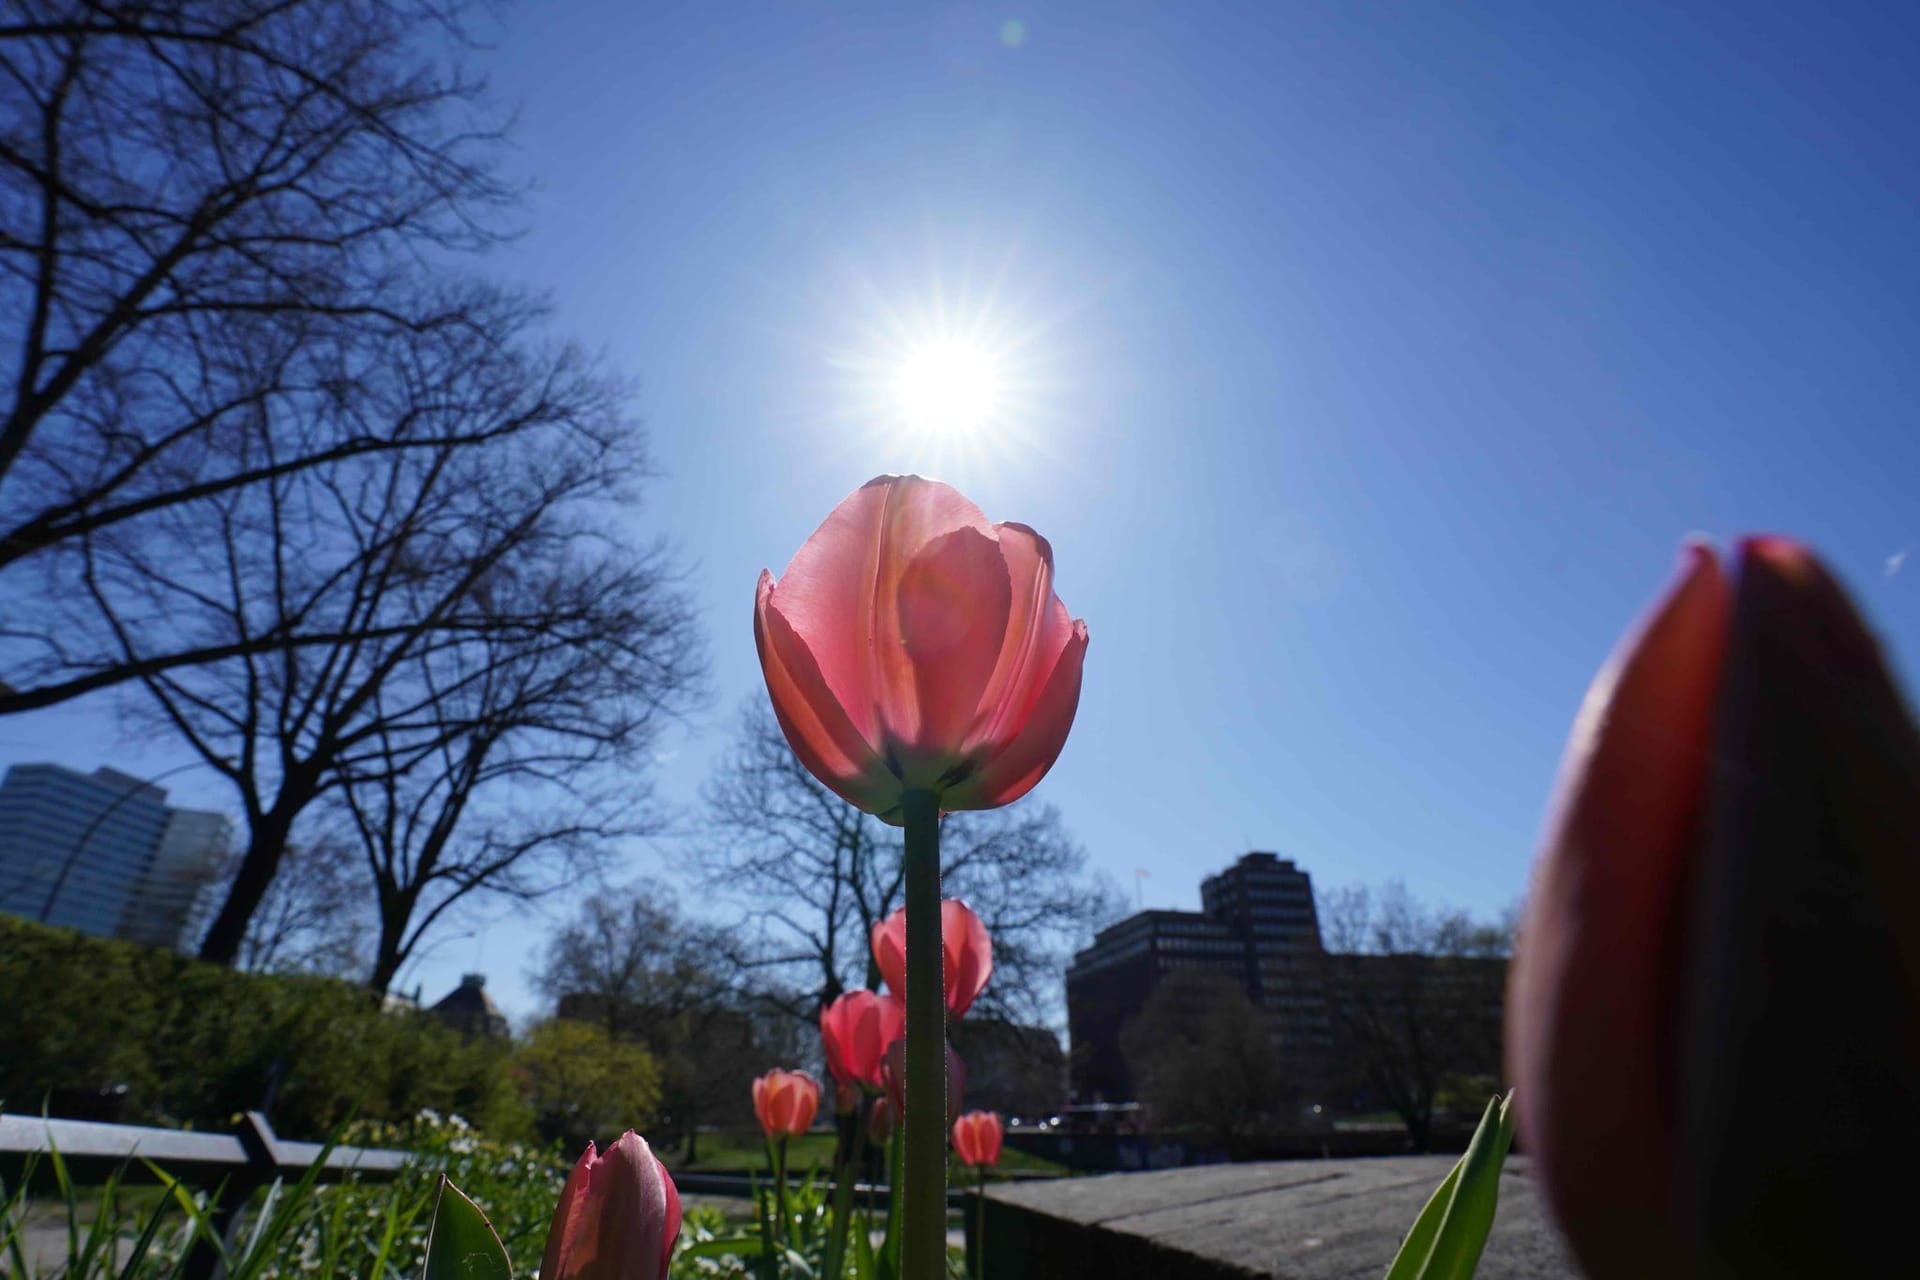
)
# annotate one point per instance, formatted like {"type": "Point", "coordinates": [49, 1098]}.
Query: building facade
{"type": "Point", "coordinates": [104, 853]}
{"type": "Point", "coordinates": [1256, 923]}
{"type": "Point", "coordinates": [1358, 1030]}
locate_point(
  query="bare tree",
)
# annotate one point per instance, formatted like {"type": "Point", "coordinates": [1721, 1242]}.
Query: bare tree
{"type": "Point", "coordinates": [315, 917]}
{"type": "Point", "coordinates": [421, 567]}
{"type": "Point", "coordinates": [201, 205]}
{"type": "Point", "coordinates": [518, 767]}
{"type": "Point", "coordinates": [637, 966]}
{"type": "Point", "coordinates": [1415, 996]}
{"type": "Point", "coordinates": [811, 875]}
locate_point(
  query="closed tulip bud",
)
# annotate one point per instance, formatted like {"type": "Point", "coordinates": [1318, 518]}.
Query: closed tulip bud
{"type": "Point", "coordinates": [617, 1219]}
{"type": "Point", "coordinates": [976, 1138]}
{"type": "Point", "coordinates": [894, 1074]}
{"type": "Point", "coordinates": [967, 952]}
{"type": "Point", "coordinates": [785, 1102]}
{"type": "Point", "coordinates": [911, 645]}
{"type": "Point", "coordinates": [1714, 1020]}
{"type": "Point", "coordinates": [855, 1030]}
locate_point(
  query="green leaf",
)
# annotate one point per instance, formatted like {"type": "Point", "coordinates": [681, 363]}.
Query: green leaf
{"type": "Point", "coordinates": [865, 1266]}
{"type": "Point", "coordinates": [1448, 1236]}
{"type": "Point", "coordinates": [461, 1244]}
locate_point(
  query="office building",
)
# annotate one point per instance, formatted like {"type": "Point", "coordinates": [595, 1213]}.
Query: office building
{"type": "Point", "coordinates": [1256, 923]}
{"type": "Point", "coordinates": [104, 853]}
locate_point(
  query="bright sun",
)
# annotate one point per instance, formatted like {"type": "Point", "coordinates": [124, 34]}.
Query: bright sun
{"type": "Point", "coordinates": [948, 388]}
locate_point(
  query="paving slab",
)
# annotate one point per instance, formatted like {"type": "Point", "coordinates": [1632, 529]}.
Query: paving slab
{"type": "Point", "coordinates": [1291, 1220]}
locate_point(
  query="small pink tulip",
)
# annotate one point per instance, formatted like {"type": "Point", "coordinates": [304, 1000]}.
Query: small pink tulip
{"type": "Point", "coordinates": [967, 952]}
{"type": "Point", "coordinates": [1713, 1025]}
{"type": "Point", "coordinates": [785, 1102]}
{"type": "Point", "coordinates": [911, 645]}
{"type": "Point", "coordinates": [617, 1219]}
{"type": "Point", "coordinates": [976, 1138]}
{"type": "Point", "coordinates": [856, 1030]}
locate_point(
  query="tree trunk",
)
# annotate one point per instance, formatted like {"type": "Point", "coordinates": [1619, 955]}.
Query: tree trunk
{"type": "Point", "coordinates": [266, 844]}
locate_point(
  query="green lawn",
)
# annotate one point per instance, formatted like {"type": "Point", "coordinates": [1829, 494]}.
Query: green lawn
{"type": "Point", "coordinates": [734, 1149]}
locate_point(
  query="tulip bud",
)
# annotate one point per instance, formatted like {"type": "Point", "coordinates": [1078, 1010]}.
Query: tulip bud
{"type": "Point", "coordinates": [846, 1099]}
{"type": "Point", "coordinates": [966, 950]}
{"type": "Point", "coordinates": [855, 1030]}
{"type": "Point", "coordinates": [1714, 1021]}
{"type": "Point", "coordinates": [785, 1102]}
{"type": "Point", "coordinates": [976, 1138]}
{"type": "Point", "coordinates": [617, 1219]}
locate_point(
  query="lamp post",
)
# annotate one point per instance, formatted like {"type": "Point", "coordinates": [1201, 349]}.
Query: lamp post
{"type": "Point", "coordinates": [79, 846]}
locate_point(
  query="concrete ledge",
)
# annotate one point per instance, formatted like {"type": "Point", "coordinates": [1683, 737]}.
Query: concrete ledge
{"type": "Point", "coordinates": [1291, 1220]}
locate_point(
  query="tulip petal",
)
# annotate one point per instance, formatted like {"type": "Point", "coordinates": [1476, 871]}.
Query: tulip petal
{"type": "Point", "coordinates": [952, 607]}
{"type": "Point", "coordinates": [672, 1220]}
{"type": "Point", "coordinates": [815, 723]}
{"type": "Point", "coordinates": [1038, 628]}
{"type": "Point", "coordinates": [1019, 766]}
{"type": "Point", "coordinates": [576, 1221]}
{"type": "Point", "coordinates": [1801, 1071]}
{"type": "Point", "coordinates": [1590, 1031]}
{"type": "Point", "coordinates": [629, 1179]}
{"type": "Point", "coordinates": [968, 950]}
{"type": "Point", "coordinates": [839, 593]}
{"type": "Point", "coordinates": [889, 941]}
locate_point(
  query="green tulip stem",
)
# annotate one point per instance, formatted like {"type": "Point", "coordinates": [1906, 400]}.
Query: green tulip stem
{"type": "Point", "coordinates": [853, 1153]}
{"type": "Point", "coordinates": [924, 1251]}
{"type": "Point", "coordinates": [980, 1229]}
{"type": "Point", "coordinates": [780, 1188]}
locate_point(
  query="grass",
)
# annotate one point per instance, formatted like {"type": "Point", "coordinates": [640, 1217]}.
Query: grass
{"type": "Point", "coordinates": [735, 1150]}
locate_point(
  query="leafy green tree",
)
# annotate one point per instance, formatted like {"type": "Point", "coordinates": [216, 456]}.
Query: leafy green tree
{"type": "Point", "coordinates": [584, 1085]}
{"type": "Point", "coordinates": [1202, 1054]}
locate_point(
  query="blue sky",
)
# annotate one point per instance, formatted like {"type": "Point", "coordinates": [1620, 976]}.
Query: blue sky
{"type": "Point", "coordinates": [1367, 364]}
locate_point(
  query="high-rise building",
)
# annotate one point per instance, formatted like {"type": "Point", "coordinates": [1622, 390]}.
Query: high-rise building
{"type": "Point", "coordinates": [103, 853]}
{"type": "Point", "coordinates": [1331, 1016]}
{"type": "Point", "coordinates": [1268, 903]}
{"type": "Point", "coordinates": [1256, 923]}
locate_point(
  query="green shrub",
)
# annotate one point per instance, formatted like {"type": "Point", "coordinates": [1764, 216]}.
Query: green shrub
{"type": "Point", "coordinates": [194, 1044]}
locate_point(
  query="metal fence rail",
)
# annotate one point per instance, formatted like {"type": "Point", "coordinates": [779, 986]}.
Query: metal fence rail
{"type": "Point", "coordinates": [237, 1163]}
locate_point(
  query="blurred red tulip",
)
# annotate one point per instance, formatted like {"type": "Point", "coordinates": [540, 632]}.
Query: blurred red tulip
{"type": "Point", "coordinates": [785, 1102]}
{"type": "Point", "coordinates": [976, 1138]}
{"type": "Point", "coordinates": [617, 1219]}
{"type": "Point", "coordinates": [967, 951]}
{"type": "Point", "coordinates": [1713, 1025]}
{"type": "Point", "coordinates": [880, 1121]}
{"type": "Point", "coordinates": [894, 1074]}
{"type": "Point", "coordinates": [846, 1098]}
{"type": "Point", "coordinates": [856, 1030]}
{"type": "Point", "coordinates": [911, 645]}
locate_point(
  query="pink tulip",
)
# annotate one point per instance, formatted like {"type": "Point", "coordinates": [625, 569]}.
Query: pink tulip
{"type": "Point", "coordinates": [856, 1030]}
{"type": "Point", "coordinates": [911, 645]}
{"type": "Point", "coordinates": [617, 1219]}
{"type": "Point", "coordinates": [976, 1138]}
{"type": "Point", "coordinates": [964, 942]}
{"type": "Point", "coordinates": [1713, 1026]}
{"type": "Point", "coordinates": [785, 1102]}
{"type": "Point", "coordinates": [894, 1074]}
